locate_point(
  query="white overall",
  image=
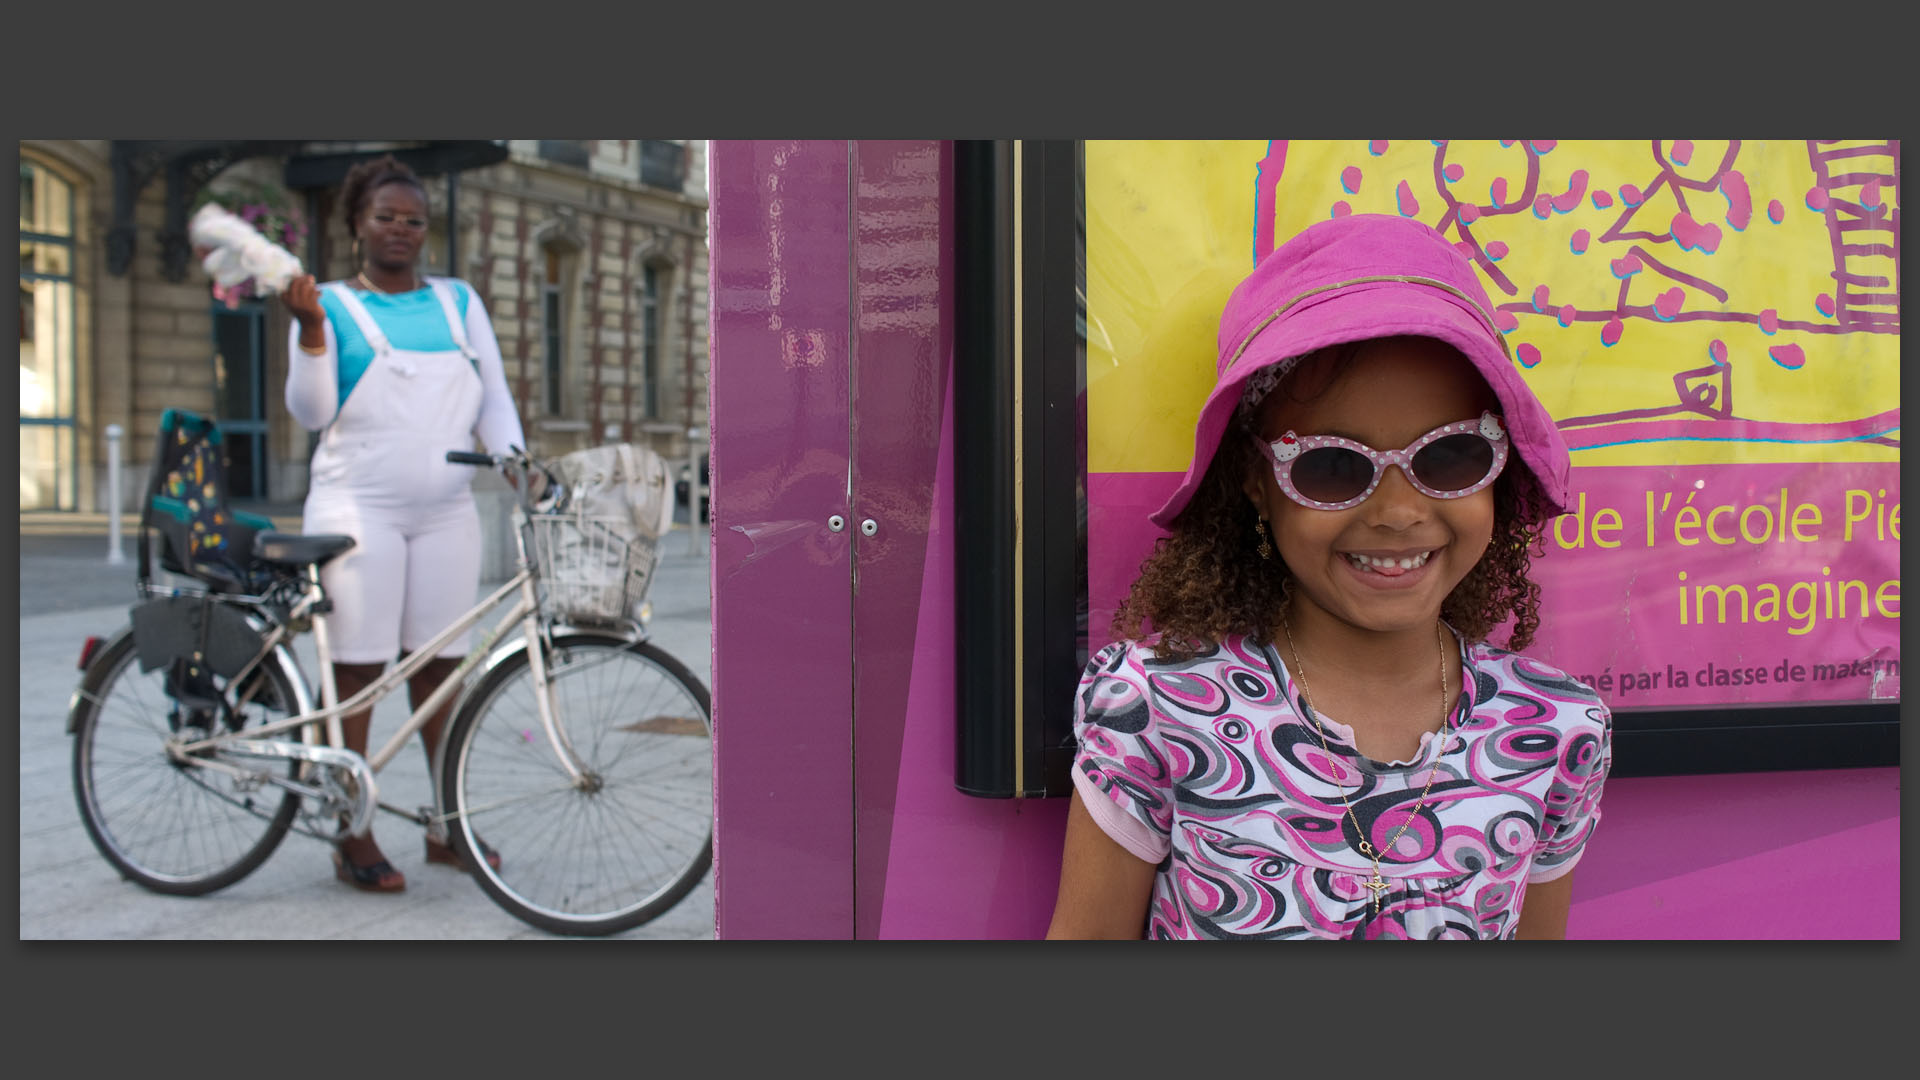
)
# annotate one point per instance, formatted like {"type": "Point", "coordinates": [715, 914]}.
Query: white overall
{"type": "Point", "coordinates": [380, 475]}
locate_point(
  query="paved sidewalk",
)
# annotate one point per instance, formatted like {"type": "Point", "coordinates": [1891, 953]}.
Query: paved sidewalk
{"type": "Point", "coordinates": [67, 890]}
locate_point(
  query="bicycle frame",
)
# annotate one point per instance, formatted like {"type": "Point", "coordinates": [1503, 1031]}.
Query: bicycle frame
{"type": "Point", "coordinates": [524, 612]}
{"type": "Point", "coordinates": [253, 748]}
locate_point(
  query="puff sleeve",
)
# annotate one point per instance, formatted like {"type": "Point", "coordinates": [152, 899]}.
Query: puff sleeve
{"type": "Point", "coordinates": [1573, 801]}
{"type": "Point", "coordinates": [1121, 768]}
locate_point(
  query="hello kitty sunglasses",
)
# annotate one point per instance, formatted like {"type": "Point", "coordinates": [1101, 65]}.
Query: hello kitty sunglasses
{"type": "Point", "coordinates": [1326, 472]}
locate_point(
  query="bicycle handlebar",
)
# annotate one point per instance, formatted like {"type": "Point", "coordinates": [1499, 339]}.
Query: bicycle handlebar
{"type": "Point", "coordinates": [522, 463]}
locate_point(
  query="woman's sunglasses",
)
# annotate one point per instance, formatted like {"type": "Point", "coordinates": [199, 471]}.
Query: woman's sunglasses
{"type": "Point", "coordinates": [1326, 472]}
{"type": "Point", "coordinates": [413, 223]}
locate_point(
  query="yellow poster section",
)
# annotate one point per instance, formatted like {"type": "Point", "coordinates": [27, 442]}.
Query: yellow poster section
{"type": "Point", "coordinates": [1171, 230]}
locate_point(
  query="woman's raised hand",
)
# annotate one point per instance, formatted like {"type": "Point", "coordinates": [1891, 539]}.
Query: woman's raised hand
{"type": "Point", "coordinates": [302, 298]}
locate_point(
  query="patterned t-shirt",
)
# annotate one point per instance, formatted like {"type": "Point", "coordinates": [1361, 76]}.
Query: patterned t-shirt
{"type": "Point", "coordinates": [1208, 768]}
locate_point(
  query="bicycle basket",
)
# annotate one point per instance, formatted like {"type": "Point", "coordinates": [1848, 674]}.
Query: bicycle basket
{"type": "Point", "coordinates": [596, 558]}
{"type": "Point", "coordinates": [592, 569]}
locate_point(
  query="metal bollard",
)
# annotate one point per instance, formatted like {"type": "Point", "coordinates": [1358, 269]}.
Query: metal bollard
{"type": "Point", "coordinates": [114, 555]}
{"type": "Point", "coordinates": [693, 491]}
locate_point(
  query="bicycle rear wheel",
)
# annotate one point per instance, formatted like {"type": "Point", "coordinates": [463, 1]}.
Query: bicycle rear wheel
{"type": "Point", "coordinates": [635, 835]}
{"type": "Point", "coordinates": [174, 827]}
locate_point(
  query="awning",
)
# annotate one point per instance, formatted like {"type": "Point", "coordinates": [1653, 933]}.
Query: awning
{"type": "Point", "coordinates": [189, 164]}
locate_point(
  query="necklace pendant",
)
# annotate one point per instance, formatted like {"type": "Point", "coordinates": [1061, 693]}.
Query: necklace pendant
{"type": "Point", "coordinates": [1376, 886]}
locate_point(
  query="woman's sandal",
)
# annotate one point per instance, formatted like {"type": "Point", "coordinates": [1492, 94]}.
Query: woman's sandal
{"type": "Point", "coordinates": [375, 877]}
{"type": "Point", "coordinates": [439, 851]}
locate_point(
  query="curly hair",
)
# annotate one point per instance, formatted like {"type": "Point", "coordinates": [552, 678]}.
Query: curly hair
{"type": "Point", "coordinates": [1205, 580]}
{"type": "Point", "coordinates": [365, 177]}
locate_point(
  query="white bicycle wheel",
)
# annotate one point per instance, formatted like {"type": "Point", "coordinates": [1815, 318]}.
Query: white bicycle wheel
{"type": "Point", "coordinates": [627, 841]}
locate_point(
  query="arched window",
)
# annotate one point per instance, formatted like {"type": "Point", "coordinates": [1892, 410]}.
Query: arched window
{"type": "Point", "coordinates": [650, 276]}
{"type": "Point", "coordinates": [559, 244]}
{"type": "Point", "coordinates": [554, 336]}
{"type": "Point", "coordinates": [656, 281]}
{"type": "Point", "coordinates": [48, 478]}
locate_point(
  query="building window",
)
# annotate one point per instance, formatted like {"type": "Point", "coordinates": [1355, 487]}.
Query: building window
{"type": "Point", "coordinates": [553, 324]}
{"type": "Point", "coordinates": [663, 163]}
{"type": "Point", "coordinates": [240, 395]}
{"type": "Point", "coordinates": [48, 479]}
{"type": "Point", "coordinates": [650, 342]}
{"type": "Point", "coordinates": [565, 151]}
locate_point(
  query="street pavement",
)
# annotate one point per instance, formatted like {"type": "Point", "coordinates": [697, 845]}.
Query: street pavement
{"type": "Point", "coordinates": [68, 891]}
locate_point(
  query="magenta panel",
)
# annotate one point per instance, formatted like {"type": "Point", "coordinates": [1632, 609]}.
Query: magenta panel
{"type": "Point", "coordinates": [782, 617]}
{"type": "Point", "coordinates": [903, 337]}
{"type": "Point", "coordinates": [1777, 855]}
{"type": "Point", "coordinates": [930, 862]}
{"type": "Point", "coordinates": [958, 867]}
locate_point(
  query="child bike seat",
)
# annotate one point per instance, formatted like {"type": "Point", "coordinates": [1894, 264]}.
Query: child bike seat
{"type": "Point", "coordinates": [186, 507]}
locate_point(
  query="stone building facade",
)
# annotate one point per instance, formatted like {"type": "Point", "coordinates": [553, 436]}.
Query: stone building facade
{"type": "Point", "coordinates": [590, 256]}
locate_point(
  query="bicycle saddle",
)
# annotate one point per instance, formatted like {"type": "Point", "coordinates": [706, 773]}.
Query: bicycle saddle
{"type": "Point", "coordinates": [297, 549]}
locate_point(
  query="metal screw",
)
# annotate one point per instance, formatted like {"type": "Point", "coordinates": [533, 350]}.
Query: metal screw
{"type": "Point", "coordinates": [836, 523]}
{"type": "Point", "coordinates": [869, 527]}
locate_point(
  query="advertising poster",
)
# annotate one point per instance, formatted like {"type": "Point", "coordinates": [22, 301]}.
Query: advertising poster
{"type": "Point", "coordinates": [1713, 324]}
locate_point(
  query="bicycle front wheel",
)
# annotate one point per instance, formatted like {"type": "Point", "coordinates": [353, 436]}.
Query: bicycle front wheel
{"type": "Point", "coordinates": [630, 837]}
{"type": "Point", "coordinates": [175, 826]}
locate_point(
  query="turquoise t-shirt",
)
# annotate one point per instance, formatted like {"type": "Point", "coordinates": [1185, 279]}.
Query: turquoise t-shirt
{"type": "Point", "coordinates": [411, 320]}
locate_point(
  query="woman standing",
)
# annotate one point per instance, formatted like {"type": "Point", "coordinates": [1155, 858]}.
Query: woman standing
{"type": "Point", "coordinates": [394, 369]}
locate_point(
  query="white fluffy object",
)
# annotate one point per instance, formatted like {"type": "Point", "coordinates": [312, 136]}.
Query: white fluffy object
{"type": "Point", "coordinates": [237, 252]}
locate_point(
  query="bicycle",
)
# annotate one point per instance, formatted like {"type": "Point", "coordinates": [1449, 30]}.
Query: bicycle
{"type": "Point", "coordinates": [579, 748]}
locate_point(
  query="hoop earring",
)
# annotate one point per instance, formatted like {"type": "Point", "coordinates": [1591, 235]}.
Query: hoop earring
{"type": "Point", "coordinates": [356, 254]}
{"type": "Point", "coordinates": [1260, 527]}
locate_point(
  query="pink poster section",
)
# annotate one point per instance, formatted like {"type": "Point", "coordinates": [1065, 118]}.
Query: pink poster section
{"type": "Point", "coordinates": [1667, 587]}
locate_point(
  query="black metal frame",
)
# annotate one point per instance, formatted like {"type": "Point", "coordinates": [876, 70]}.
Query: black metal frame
{"type": "Point", "coordinates": [432, 158]}
{"type": "Point", "coordinates": [993, 689]}
{"type": "Point", "coordinates": [188, 165]}
{"type": "Point", "coordinates": [1676, 742]}
{"type": "Point", "coordinates": [1018, 488]}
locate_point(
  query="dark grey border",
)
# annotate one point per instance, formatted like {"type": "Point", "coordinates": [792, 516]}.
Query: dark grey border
{"type": "Point", "coordinates": [1185, 72]}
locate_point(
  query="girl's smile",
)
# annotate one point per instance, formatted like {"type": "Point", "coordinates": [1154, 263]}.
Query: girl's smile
{"type": "Point", "coordinates": [1390, 565]}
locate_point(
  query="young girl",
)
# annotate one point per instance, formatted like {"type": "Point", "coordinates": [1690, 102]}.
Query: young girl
{"type": "Point", "coordinates": [1316, 738]}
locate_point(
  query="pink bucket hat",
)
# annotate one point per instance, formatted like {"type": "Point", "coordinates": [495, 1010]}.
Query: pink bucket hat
{"type": "Point", "coordinates": [1359, 277]}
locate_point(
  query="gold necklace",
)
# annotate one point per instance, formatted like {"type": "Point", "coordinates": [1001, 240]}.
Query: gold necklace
{"type": "Point", "coordinates": [371, 287]}
{"type": "Point", "coordinates": [1375, 884]}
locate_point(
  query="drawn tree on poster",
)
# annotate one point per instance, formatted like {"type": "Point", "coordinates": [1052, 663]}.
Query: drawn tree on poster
{"type": "Point", "coordinates": [1699, 204]}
